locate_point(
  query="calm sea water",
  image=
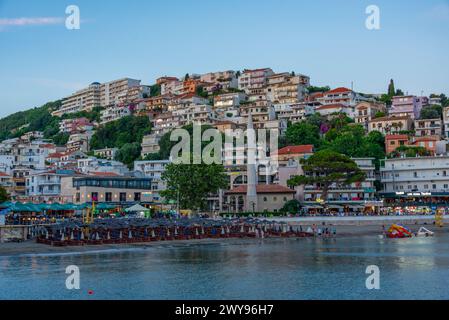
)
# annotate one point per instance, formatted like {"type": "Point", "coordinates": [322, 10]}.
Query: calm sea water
{"type": "Point", "coordinates": [254, 269]}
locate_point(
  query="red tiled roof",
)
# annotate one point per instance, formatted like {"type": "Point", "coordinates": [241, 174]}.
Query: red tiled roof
{"type": "Point", "coordinates": [396, 137]}
{"type": "Point", "coordinates": [55, 155]}
{"type": "Point", "coordinates": [331, 106]}
{"type": "Point", "coordinates": [339, 90]}
{"type": "Point", "coordinates": [3, 174]}
{"type": "Point", "coordinates": [307, 148]}
{"type": "Point", "coordinates": [262, 188]}
{"type": "Point", "coordinates": [47, 145]}
{"type": "Point", "coordinates": [427, 138]}
{"type": "Point", "coordinates": [390, 118]}
{"type": "Point", "coordinates": [104, 174]}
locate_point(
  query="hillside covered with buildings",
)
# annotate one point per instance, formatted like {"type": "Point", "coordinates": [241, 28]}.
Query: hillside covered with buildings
{"type": "Point", "coordinates": [110, 142]}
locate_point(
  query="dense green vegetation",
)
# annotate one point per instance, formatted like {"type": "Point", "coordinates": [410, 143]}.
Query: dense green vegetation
{"type": "Point", "coordinates": [93, 115]}
{"type": "Point", "coordinates": [36, 119]}
{"type": "Point", "coordinates": [166, 145]}
{"type": "Point", "coordinates": [192, 183]}
{"type": "Point", "coordinates": [125, 134]}
{"type": "Point", "coordinates": [432, 112]}
{"type": "Point", "coordinates": [118, 133]}
{"type": "Point", "coordinates": [339, 134]}
{"type": "Point", "coordinates": [409, 152]}
{"type": "Point", "coordinates": [313, 89]}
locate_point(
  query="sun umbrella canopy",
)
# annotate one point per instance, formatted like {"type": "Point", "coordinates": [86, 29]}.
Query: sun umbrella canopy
{"type": "Point", "coordinates": [6, 204]}
{"type": "Point", "coordinates": [104, 206]}
{"type": "Point", "coordinates": [136, 208]}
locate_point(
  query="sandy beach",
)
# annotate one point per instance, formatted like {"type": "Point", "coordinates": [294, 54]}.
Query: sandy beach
{"type": "Point", "coordinates": [33, 248]}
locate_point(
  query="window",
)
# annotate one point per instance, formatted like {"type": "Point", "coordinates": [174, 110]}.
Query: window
{"type": "Point", "coordinates": [136, 196]}
{"type": "Point", "coordinates": [434, 186]}
{"type": "Point", "coordinates": [94, 196]}
{"type": "Point", "coordinates": [122, 196]}
{"type": "Point", "coordinates": [265, 199]}
{"type": "Point", "coordinates": [108, 196]}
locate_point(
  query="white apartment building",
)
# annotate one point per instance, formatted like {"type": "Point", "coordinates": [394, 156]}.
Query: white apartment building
{"type": "Point", "coordinates": [286, 88]}
{"type": "Point", "coordinates": [413, 175]}
{"type": "Point", "coordinates": [226, 79]}
{"type": "Point", "coordinates": [428, 127]}
{"type": "Point", "coordinates": [229, 100]}
{"type": "Point", "coordinates": [45, 186]}
{"type": "Point", "coordinates": [257, 78]}
{"type": "Point", "coordinates": [79, 141]}
{"type": "Point", "coordinates": [198, 114]}
{"type": "Point", "coordinates": [114, 113]}
{"type": "Point", "coordinates": [85, 99]}
{"type": "Point", "coordinates": [150, 144]}
{"type": "Point", "coordinates": [154, 170]}
{"type": "Point", "coordinates": [106, 153]}
{"type": "Point", "coordinates": [340, 195]}
{"type": "Point", "coordinates": [6, 163]}
{"type": "Point", "coordinates": [113, 92]}
{"type": "Point", "coordinates": [93, 165]}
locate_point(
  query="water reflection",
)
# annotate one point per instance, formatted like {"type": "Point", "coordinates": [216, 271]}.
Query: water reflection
{"type": "Point", "coordinates": [253, 269]}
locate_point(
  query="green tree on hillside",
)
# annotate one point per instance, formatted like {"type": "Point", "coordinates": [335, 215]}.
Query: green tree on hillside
{"type": "Point", "coordinates": [432, 112]}
{"type": "Point", "coordinates": [118, 133]}
{"type": "Point", "coordinates": [391, 90]}
{"type": "Point", "coordinates": [303, 133]}
{"type": "Point", "coordinates": [128, 153]}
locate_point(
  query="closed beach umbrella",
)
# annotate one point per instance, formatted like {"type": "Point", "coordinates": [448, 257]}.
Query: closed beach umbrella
{"type": "Point", "coordinates": [168, 232]}
{"type": "Point", "coordinates": [196, 232]}
{"type": "Point", "coordinates": [153, 235]}
{"type": "Point", "coordinates": [222, 231]}
{"type": "Point", "coordinates": [62, 237]}
{"type": "Point", "coordinates": [202, 231]}
{"type": "Point", "coordinates": [121, 234]}
{"type": "Point", "coordinates": [82, 235]}
{"type": "Point", "coordinates": [176, 231]}
{"type": "Point", "coordinates": [46, 234]}
{"type": "Point", "coordinates": [72, 236]}
{"type": "Point", "coordinates": [130, 234]}
{"type": "Point", "coordinates": [242, 229]}
{"type": "Point", "coordinates": [97, 236]}
{"type": "Point", "coordinates": [109, 235]}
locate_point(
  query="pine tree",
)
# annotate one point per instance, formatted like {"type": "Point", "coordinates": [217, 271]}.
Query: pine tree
{"type": "Point", "coordinates": [391, 90]}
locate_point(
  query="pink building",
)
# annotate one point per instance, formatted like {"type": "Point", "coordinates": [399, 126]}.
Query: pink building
{"type": "Point", "coordinates": [408, 106]}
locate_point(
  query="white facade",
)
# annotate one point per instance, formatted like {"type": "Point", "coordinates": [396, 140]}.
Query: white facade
{"type": "Point", "coordinates": [114, 91]}
{"type": "Point", "coordinates": [423, 174]}
{"type": "Point", "coordinates": [85, 99]}
{"type": "Point", "coordinates": [154, 170]}
{"type": "Point", "coordinates": [93, 164]}
{"type": "Point", "coordinates": [114, 113]}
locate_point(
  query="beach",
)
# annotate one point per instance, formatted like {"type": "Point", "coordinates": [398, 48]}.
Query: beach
{"type": "Point", "coordinates": [343, 231]}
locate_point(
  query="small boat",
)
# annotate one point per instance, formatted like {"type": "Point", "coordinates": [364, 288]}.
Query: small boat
{"type": "Point", "coordinates": [423, 232]}
{"type": "Point", "coordinates": [398, 232]}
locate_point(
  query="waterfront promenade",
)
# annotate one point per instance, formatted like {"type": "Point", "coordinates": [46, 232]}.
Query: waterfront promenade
{"type": "Point", "coordinates": [360, 220]}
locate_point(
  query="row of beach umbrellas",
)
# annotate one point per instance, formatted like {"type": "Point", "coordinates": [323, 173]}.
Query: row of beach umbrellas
{"type": "Point", "coordinates": [32, 207]}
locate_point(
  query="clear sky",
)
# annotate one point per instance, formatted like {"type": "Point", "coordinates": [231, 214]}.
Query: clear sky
{"type": "Point", "coordinates": [40, 60]}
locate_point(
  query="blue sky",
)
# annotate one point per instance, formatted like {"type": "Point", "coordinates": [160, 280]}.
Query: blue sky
{"type": "Point", "coordinates": [325, 39]}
